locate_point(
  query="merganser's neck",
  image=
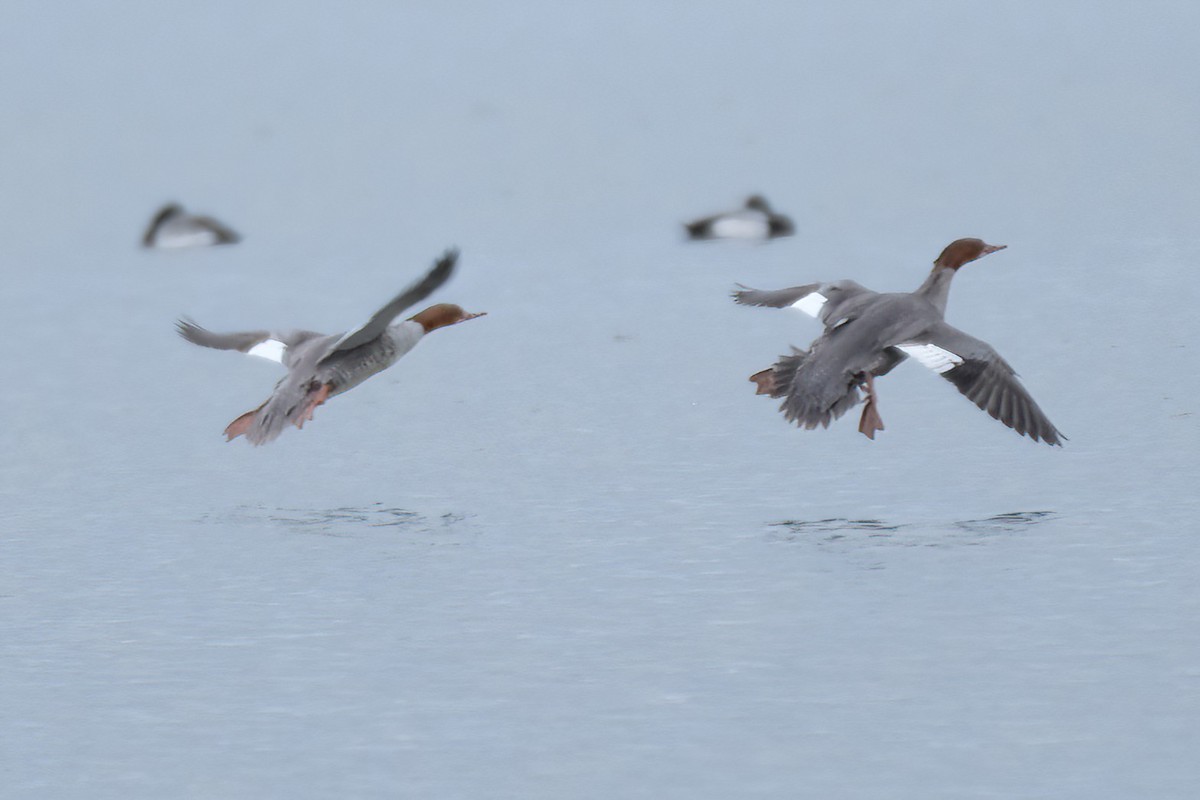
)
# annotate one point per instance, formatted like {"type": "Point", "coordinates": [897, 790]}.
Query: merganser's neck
{"type": "Point", "coordinates": [936, 288]}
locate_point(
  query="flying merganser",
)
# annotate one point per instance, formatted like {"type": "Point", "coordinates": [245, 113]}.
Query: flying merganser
{"type": "Point", "coordinates": [320, 365]}
{"type": "Point", "coordinates": [754, 221]}
{"type": "Point", "coordinates": [172, 227]}
{"type": "Point", "coordinates": [867, 334]}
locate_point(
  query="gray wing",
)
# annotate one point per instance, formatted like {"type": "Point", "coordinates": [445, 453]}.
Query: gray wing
{"type": "Point", "coordinates": [414, 294]}
{"type": "Point", "coordinates": [832, 303]}
{"type": "Point", "coordinates": [224, 234]}
{"type": "Point", "coordinates": [245, 341]}
{"type": "Point", "coordinates": [985, 378]}
{"type": "Point", "coordinates": [773, 298]}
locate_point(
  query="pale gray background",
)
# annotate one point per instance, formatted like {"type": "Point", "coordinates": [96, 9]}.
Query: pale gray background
{"type": "Point", "coordinates": [564, 551]}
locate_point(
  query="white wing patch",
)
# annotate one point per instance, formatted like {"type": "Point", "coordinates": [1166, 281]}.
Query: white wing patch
{"type": "Point", "coordinates": [811, 303]}
{"type": "Point", "coordinates": [936, 358]}
{"type": "Point", "coordinates": [270, 349]}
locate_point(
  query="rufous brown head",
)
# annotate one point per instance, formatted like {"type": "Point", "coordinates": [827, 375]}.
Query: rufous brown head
{"type": "Point", "coordinates": [441, 315]}
{"type": "Point", "coordinates": [963, 251]}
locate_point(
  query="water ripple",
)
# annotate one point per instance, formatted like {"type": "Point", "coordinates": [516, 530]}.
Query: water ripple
{"type": "Point", "coordinates": [344, 520]}
{"type": "Point", "coordinates": [906, 534]}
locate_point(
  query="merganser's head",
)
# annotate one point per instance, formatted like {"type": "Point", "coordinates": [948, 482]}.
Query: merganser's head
{"type": "Point", "coordinates": [167, 212]}
{"type": "Point", "coordinates": [441, 315]}
{"type": "Point", "coordinates": [962, 251]}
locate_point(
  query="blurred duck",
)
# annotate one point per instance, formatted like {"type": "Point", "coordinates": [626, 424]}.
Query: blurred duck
{"type": "Point", "coordinates": [754, 221]}
{"type": "Point", "coordinates": [867, 334]}
{"type": "Point", "coordinates": [320, 366]}
{"type": "Point", "coordinates": [172, 227]}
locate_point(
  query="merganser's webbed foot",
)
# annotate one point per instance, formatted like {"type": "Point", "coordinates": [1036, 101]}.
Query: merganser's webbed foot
{"type": "Point", "coordinates": [870, 422]}
{"type": "Point", "coordinates": [315, 398]}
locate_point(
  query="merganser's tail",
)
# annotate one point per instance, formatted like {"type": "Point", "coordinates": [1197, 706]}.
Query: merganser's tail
{"type": "Point", "coordinates": [804, 403]}
{"type": "Point", "coordinates": [266, 422]}
{"type": "Point", "coordinates": [777, 380]}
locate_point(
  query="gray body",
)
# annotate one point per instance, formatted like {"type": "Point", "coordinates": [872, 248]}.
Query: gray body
{"type": "Point", "coordinates": [172, 227]}
{"type": "Point", "coordinates": [315, 360]}
{"type": "Point", "coordinates": [756, 220]}
{"type": "Point", "coordinates": [869, 333]}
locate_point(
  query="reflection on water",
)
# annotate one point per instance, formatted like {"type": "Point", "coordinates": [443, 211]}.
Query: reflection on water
{"type": "Point", "coordinates": [836, 526]}
{"type": "Point", "coordinates": [1007, 523]}
{"type": "Point", "coordinates": [344, 520]}
{"type": "Point", "coordinates": [876, 532]}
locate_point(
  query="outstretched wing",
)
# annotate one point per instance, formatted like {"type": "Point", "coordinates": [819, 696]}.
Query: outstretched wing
{"type": "Point", "coordinates": [829, 302]}
{"type": "Point", "coordinates": [983, 377]}
{"type": "Point", "coordinates": [414, 294]}
{"type": "Point", "coordinates": [781, 298]}
{"type": "Point", "coordinates": [266, 344]}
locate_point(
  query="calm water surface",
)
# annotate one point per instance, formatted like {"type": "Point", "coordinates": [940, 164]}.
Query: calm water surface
{"type": "Point", "coordinates": [563, 550]}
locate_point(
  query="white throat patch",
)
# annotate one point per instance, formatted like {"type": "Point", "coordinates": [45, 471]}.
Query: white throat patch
{"type": "Point", "coordinates": [936, 358]}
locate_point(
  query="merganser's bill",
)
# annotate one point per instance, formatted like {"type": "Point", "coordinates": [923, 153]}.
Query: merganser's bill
{"type": "Point", "coordinates": [172, 227]}
{"type": "Point", "coordinates": [320, 365]}
{"type": "Point", "coordinates": [868, 333]}
{"type": "Point", "coordinates": [755, 221]}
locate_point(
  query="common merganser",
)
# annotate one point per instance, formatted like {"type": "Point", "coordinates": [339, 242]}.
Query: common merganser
{"type": "Point", "coordinates": [754, 221]}
{"type": "Point", "coordinates": [172, 227]}
{"type": "Point", "coordinates": [320, 365]}
{"type": "Point", "coordinates": [867, 334]}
